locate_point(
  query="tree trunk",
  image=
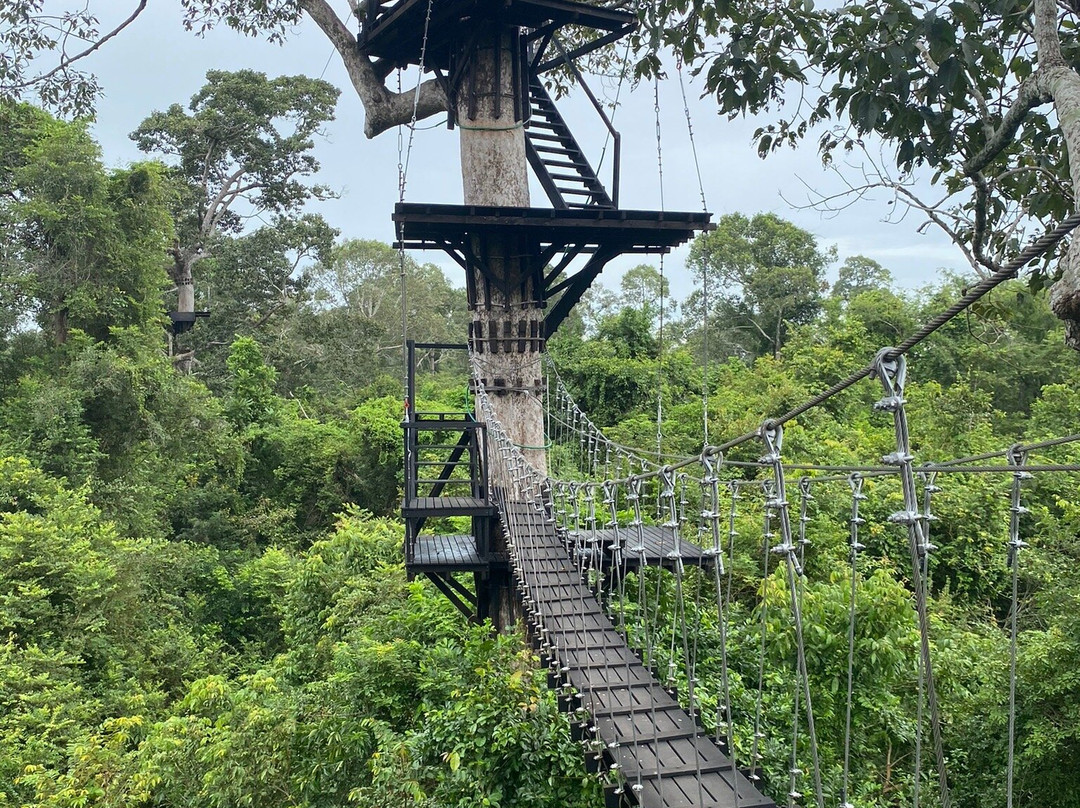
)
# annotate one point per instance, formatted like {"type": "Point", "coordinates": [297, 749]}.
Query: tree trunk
{"type": "Point", "coordinates": [182, 275]}
{"type": "Point", "coordinates": [494, 172]}
{"type": "Point", "coordinates": [1059, 79]}
{"type": "Point", "coordinates": [1064, 84]}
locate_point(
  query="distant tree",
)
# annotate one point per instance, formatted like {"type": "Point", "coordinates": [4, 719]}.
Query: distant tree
{"type": "Point", "coordinates": [359, 275]}
{"type": "Point", "coordinates": [242, 149]}
{"type": "Point", "coordinates": [358, 306]}
{"type": "Point", "coordinates": [258, 286]}
{"type": "Point", "coordinates": [645, 289]}
{"type": "Point", "coordinates": [630, 334]}
{"type": "Point", "coordinates": [764, 275]}
{"type": "Point", "coordinates": [81, 245]}
{"type": "Point", "coordinates": [860, 274]}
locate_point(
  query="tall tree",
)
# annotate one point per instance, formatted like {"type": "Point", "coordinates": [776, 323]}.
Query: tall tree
{"type": "Point", "coordinates": [768, 273]}
{"type": "Point", "coordinates": [81, 244]}
{"type": "Point", "coordinates": [981, 97]}
{"type": "Point", "coordinates": [242, 149]}
{"type": "Point", "coordinates": [860, 274]}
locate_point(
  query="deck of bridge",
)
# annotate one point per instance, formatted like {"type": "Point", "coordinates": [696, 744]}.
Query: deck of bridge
{"type": "Point", "coordinates": [650, 545]}
{"type": "Point", "coordinates": [664, 755]}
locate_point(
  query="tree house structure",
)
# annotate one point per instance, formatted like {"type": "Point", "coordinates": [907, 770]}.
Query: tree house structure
{"type": "Point", "coordinates": [525, 267]}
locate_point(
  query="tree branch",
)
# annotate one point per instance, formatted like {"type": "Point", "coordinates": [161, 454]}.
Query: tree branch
{"type": "Point", "coordinates": [215, 208]}
{"type": "Point", "coordinates": [384, 109]}
{"type": "Point", "coordinates": [935, 216]}
{"type": "Point", "coordinates": [1030, 95]}
{"type": "Point", "coordinates": [66, 62]}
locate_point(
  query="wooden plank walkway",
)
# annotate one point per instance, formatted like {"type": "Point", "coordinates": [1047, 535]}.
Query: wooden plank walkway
{"type": "Point", "coordinates": [666, 758]}
{"type": "Point", "coordinates": [658, 544]}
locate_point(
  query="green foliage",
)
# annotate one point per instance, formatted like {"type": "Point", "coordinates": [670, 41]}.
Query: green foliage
{"type": "Point", "coordinates": [251, 399]}
{"type": "Point", "coordinates": [83, 244]}
{"type": "Point", "coordinates": [764, 275]}
{"type": "Point", "coordinates": [954, 91]}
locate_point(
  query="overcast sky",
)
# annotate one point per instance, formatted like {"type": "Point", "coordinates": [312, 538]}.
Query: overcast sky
{"type": "Point", "coordinates": [155, 63]}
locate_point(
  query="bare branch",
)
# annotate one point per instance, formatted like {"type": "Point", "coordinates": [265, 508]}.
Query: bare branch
{"type": "Point", "coordinates": [67, 61]}
{"type": "Point", "coordinates": [935, 216]}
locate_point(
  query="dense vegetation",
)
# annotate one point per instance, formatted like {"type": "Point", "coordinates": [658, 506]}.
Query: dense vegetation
{"type": "Point", "coordinates": [201, 594]}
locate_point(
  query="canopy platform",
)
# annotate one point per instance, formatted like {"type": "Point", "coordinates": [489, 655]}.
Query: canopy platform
{"type": "Point", "coordinates": [394, 29]}
{"type": "Point", "coordinates": [653, 546]}
{"type": "Point", "coordinates": [547, 241]}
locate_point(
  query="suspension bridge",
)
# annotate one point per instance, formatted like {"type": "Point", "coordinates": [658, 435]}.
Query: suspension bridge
{"type": "Point", "coordinates": [615, 559]}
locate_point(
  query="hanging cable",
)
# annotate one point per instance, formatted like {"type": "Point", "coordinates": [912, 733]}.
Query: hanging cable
{"type": "Point", "coordinates": [403, 173]}
{"type": "Point", "coordinates": [1017, 458]}
{"type": "Point", "coordinates": [660, 292]}
{"type": "Point", "coordinates": [854, 546]}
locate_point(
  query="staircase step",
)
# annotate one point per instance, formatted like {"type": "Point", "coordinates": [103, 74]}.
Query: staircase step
{"type": "Point", "coordinates": [561, 164]}
{"type": "Point", "coordinates": [572, 178]}
{"type": "Point", "coordinates": [551, 138]}
{"type": "Point", "coordinates": [552, 150]}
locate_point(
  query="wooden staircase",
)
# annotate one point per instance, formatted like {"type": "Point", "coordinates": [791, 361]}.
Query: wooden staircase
{"type": "Point", "coordinates": [556, 158]}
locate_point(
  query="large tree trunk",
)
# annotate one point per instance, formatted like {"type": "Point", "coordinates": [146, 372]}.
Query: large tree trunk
{"type": "Point", "coordinates": [1060, 81]}
{"type": "Point", "coordinates": [182, 274]}
{"type": "Point", "coordinates": [494, 172]}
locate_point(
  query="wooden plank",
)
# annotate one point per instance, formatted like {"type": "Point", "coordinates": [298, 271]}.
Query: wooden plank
{"type": "Point", "coordinates": [641, 726]}
{"type": "Point", "coordinates": [446, 553]}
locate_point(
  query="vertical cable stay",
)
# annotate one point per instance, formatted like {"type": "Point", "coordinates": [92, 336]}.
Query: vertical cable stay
{"type": "Point", "coordinates": [854, 546]}
{"type": "Point", "coordinates": [1017, 457]}
{"type": "Point", "coordinates": [891, 370]}
{"type": "Point", "coordinates": [772, 436]}
{"type": "Point", "coordinates": [756, 756]}
{"type": "Point", "coordinates": [660, 291]}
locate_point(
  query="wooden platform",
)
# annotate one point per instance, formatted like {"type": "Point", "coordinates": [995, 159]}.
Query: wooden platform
{"type": "Point", "coordinates": [664, 756]}
{"type": "Point", "coordinates": [427, 226]}
{"type": "Point", "coordinates": [447, 553]}
{"type": "Point", "coordinates": [438, 507]}
{"type": "Point", "coordinates": [548, 241]}
{"type": "Point", "coordinates": [394, 29]}
{"type": "Point", "coordinates": [657, 544]}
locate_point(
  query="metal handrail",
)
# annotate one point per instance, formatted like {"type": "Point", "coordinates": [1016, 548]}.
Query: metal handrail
{"type": "Point", "coordinates": [616, 137]}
